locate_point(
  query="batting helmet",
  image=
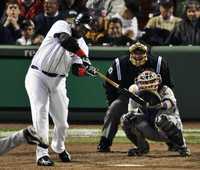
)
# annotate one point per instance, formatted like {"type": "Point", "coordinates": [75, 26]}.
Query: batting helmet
{"type": "Point", "coordinates": [84, 19]}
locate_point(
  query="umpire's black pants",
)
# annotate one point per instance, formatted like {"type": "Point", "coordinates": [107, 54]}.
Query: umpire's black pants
{"type": "Point", "coordinates": [112, 118]}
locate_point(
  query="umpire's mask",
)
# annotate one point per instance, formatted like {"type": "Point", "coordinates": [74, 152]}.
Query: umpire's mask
{"type": "Point", "coordinates": [138, 54]}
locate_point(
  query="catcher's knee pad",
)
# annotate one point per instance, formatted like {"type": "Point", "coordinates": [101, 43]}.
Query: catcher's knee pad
{"type": "Point", "coordinates": [174, 134]}
{"type": "Point", "coordinates": [164, 123]}
{"type": "Point", "coordinates": [125, 121]}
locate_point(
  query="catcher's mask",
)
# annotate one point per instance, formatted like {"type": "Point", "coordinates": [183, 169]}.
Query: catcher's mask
{"type": "Point", "coordinates": [138, 54]}
{"type": "Point", "coordinates": [148, 80]}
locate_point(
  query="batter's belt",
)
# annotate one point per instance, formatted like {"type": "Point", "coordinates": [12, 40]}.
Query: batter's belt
{"type": "Point", "coordinates": [47, 73]}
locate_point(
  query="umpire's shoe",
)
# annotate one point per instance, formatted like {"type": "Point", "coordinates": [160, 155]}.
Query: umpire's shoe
{"type": "Point", "coordinates": [33, 138]}
{"type": "Point", "coordinates": [104, 145]}
{"type": "Point", "coordinates": [65, 156]}
{"type": "Point", "coordinates": [184, 151]}
{"type": "Point", "coordinates": [45, 161]}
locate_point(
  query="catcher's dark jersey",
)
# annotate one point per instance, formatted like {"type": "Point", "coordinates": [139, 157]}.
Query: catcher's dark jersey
{"type": "Point", "coordinates": [123, 72]}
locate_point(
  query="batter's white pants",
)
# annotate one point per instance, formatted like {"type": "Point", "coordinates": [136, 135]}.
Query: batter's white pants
{"type": "Point", "coordinates": [11, 141]}
{"type": "Point", "coordinates": [48, 95]}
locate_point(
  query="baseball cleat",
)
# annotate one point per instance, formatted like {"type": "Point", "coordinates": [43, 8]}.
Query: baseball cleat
{"type": "Point", "coordinates": [33, 138]}
{"type": "Point", "coordinates": [45, 161]}
{"type": "Point", "coordinates": [137, 151]}
{"type": "Point", "coordinates": [103, 149]}
{"type": "Point", "coordinates": [65, 156]}
{"type": "Point", "coordinates": [171, 147]}
{"type": "Point", "coordinates": [104, 145]}
{"type": "Point", "coordinates": [184, 152]}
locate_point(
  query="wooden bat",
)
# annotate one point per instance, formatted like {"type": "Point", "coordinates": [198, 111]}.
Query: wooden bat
{"type": "Point", "coordinates": [124, 91]}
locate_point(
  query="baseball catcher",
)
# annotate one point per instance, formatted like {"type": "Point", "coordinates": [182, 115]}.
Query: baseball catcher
{"type": "Point", "coordinates": [159, 120]}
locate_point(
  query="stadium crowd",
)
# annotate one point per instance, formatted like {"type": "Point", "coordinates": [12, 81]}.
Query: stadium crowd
{"type": "Point", "coordinates": [116, 22]}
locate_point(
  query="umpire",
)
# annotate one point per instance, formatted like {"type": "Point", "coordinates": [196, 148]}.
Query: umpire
{"type": "Point", "coordinates": [123, 71]}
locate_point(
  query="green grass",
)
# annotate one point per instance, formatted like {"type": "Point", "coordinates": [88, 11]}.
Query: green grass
{"type": "Point", "coordinates": [78, 135]}
{"type": "Point", "coordinates": [123, 140]}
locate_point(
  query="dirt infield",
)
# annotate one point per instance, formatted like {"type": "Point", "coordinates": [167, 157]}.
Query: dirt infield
{"type": "Point", "coordinates": [85, 157]}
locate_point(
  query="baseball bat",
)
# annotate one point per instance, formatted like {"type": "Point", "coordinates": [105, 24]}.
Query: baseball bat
{"type": "Point", "coordinates": [124, 91]}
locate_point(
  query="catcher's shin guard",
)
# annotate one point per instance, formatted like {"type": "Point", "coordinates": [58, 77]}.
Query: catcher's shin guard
{"type": "Point", "coordinates": [127, 123]}
{"type": "Point", "coordinates": [173, 133]}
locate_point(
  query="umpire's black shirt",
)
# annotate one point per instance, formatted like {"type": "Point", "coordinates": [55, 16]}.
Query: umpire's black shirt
{"type": "Point", "coordinates": [123, 72]}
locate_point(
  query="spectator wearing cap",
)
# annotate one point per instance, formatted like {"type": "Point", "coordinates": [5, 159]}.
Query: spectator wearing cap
{"type": "Point", "coordinates": [30, 8]}
{"type": "Point", "coordinates": [114, 35]}
{"type": "Point", "coordinates": [27, 33]}
{"type": "Point", "coordinates": [48, 17]}
{"type": "Point", "coordinates": [187, 32]}
{"type": "Point", "coordinates": [166, 20]}
{"type": "Point", "coordinates": [129, 19]}
{"type": "Point", "coordinates": [10, 30]}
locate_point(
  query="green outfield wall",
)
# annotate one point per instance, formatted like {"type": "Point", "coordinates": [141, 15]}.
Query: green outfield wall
{"type": "Point", "coordinates": [87, 99]}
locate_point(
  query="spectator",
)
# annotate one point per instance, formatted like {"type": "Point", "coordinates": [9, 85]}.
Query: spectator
{"type": "Point", "coordinates": [65, 5]}
{"type": "Point", "coordinates": [27, 33]}
{"type": "Point", "coordinates": [80, 6]}
{"type": "Point", "coordinates": [112, 7]}
{"type": "Point", "coordinates": [2, 7]}
{"type": "Point", "coordinates": [10, 30]}
{"type": "Point", "coordinates": [166, 20]}
{"type": "Point", "coordinates": [159, 27]}
{"type": "Point", "coordinates": [187, 32]}
{"type": "Point", "coordinates": [46, 19]}
{"type": "Point", "coordinates": [114, 35]}
{"type": "Point", "coordinates": [99, 28]}
{"type": "Point", "coordinates": [30, 8]}
{"type": "Point", "coordinates": [37, 39]}
{"type": "Point", "coordinates": [128, 18]}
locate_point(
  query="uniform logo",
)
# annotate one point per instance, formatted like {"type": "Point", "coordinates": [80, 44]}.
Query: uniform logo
{"type": "Point", "coordinates": [110, 70]}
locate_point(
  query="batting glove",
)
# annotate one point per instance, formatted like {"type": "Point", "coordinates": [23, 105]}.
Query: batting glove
{"type": "Point", "coordinates": [91, 70]}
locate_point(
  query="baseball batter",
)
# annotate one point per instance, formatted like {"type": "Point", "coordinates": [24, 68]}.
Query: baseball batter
{"type": "Point", "coordinates": [159, 123]}
{"type": "Point", "coordinates": [27, 135]}
{"type": "Point", "coordinates": [62, 48]}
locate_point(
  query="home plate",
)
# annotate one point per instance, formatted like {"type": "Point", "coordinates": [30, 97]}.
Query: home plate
{"type": "Point", "coordinates": [127, 165]}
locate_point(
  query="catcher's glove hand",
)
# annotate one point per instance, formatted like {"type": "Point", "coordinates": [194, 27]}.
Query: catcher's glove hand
{"type": "Point", "coordinates": [152, 98]}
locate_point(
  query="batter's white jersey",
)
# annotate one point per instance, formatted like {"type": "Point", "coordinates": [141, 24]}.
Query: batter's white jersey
{"type": "Point", "coordinates": [52, 57]}
{"type": "Point", "coordinates": [48, 94]}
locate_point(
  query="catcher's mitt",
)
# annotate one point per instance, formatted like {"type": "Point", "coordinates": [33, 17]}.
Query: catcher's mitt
{"type": "Point", "coordinates": [153, 105]}
{"type": "Point", "coordinates": [151, 97]}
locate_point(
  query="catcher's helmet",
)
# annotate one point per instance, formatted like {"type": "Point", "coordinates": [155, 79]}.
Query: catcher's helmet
{"type": "Point", "coordinates": [148, 80]}
{"type": "Point", "coordinates": [138, 54]}
{"type": "Point", "coordinates": [84, 19]}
